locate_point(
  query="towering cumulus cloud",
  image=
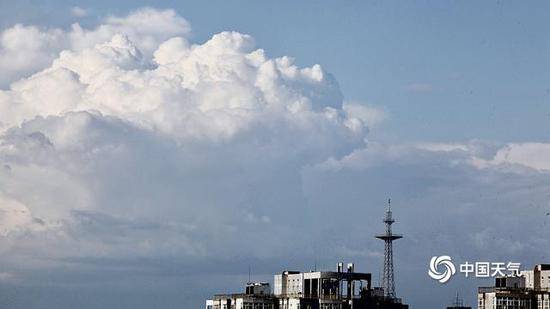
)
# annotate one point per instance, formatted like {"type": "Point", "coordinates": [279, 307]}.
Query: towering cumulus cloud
{"type": "Point", "coordinates": [28, 49]}
{"type": "Point", "coordinates": [131, 141]}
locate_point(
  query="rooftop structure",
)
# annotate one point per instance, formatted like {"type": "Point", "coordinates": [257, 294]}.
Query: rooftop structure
{"type": "Point", "coordinates": [340, 289]}
{"type": "Point", "coordinates": [341, 284]}
{"type": "Point", "coordinates": [530, 289]}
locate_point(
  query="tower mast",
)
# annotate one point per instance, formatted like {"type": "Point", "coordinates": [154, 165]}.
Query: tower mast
{"type": "Point", "coordinates": [388, 279]}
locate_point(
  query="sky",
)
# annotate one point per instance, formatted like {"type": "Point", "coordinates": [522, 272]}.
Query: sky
{"type": "Point", "coordinates": [151, 153]}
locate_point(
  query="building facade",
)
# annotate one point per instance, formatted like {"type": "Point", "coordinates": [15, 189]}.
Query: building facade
{"type": "Point", "coordinates": [529, 290]}
{"type": "Point", "coordinates": [257, 296]}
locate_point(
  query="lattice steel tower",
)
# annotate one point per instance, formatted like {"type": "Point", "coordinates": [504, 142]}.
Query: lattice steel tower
{"type": "Point", "coordinates": [388, 238]}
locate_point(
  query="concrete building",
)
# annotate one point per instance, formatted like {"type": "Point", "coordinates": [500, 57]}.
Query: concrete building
{"type": "Point", "coordinates": [320, 289]}
{"type": "Point", "coordinates": [324, 284]}
{"type": "Point", "coordinates": [499, 297]}
{"type": "Point", "coordinates": [529, 290]}
{"type": "Point", "coordinates": [538, 278]}
{"type": "Point", "coordinates": [340, 289]}
{"type": "Point", "coordinates": [257, 296]}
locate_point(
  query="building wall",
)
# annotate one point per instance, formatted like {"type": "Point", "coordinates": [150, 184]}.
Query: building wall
{"type": "Point", "coordinates": [221, 303]}
{"type": "Point", "coordinates": [486, 300]}
{"type": "Point", "coordinates": [243, 302]}
{"type": "Point", "coordinates": [505, 300]}
{"type": "Point", "coordinates": [543, 301]}
{"type": "Point", "coordinates": [537, 279]}
{"type": "Point", "coordinates": [545, 280]}
{"type": "Point", "coordinates": [294, 284]}
{"type": "Point", "coordinates": [278, 287]}
{"type": "Point", "coordinates": [209, 304]}
{"type": "Point", "coordinates": [288, 284]}
{"type": "Point", "coordinates": [529, 278]}
{"type": "Point", "coordinates": [512, 302]}
{"type": "Point", "coordinates": [289, 303]}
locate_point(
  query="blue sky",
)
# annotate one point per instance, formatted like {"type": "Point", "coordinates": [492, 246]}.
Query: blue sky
{"type": "Point", "coordinates": [149, 156]}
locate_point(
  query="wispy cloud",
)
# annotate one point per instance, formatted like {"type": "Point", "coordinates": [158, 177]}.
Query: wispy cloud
{"type": "Point", "coordinates": [78, 11]}
{"type": "Point", "coordinates": [419, 87]}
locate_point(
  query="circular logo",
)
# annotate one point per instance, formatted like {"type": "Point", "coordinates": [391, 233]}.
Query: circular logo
{"type": "Point", "coordinates": [441, 268]}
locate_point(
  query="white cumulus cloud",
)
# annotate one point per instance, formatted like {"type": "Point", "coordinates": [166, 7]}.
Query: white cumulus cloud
{"type": "Point", "coordinates": [135, 132]}
{"type": "Point", "coordinates": [26, 49]}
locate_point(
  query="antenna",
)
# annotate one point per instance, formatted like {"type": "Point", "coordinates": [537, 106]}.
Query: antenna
{"type": "Point", "coordinates": [458, 301]}
{"type": "Point", "coordinates": [388, 237]}
{"type": "Point", "coordinates": [249, 271]}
